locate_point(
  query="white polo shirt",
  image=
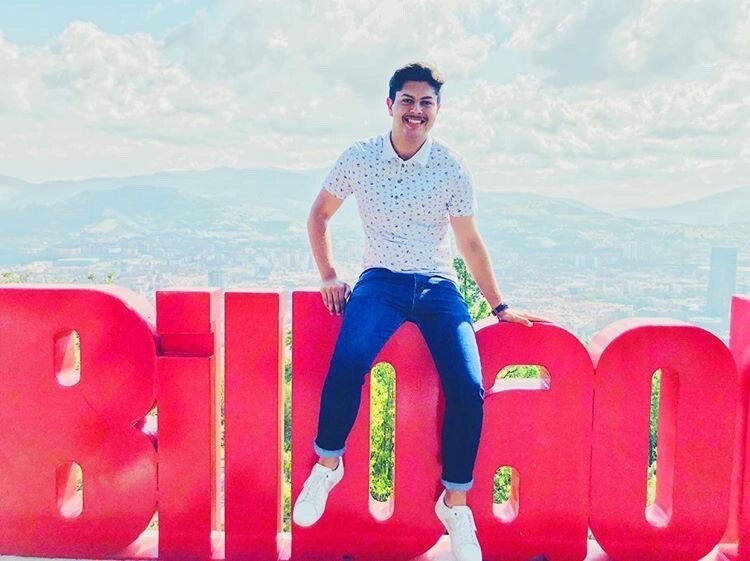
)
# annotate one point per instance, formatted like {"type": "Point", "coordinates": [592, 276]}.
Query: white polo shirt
{"type": "Point", "coordinates": [405, 205]}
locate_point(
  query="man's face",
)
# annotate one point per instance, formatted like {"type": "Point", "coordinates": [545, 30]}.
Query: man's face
{"type": "Point", "coordinates": [414, 110]}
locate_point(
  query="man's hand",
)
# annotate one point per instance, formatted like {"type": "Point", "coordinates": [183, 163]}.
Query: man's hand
{"type": "Point", "coordinates": [523, 318]}
{"type": "Point", "coordinates": [335, 294]}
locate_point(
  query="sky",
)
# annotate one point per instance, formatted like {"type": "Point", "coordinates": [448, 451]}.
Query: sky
{"type": "Point", "coordinates": [619, 104]}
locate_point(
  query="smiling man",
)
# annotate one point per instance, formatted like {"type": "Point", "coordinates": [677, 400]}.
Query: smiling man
{"type": "Point", "coordinates": [409, 189]}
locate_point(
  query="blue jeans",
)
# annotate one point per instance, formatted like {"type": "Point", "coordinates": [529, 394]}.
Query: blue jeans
{"type": "Point", "coordinates": [380, 303]}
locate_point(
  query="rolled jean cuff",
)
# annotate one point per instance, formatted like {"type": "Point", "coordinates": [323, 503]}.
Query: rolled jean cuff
{"type": "Point", "coordinates": [457, 486]}
{"type": "Point", "coordinates": [323, 453]}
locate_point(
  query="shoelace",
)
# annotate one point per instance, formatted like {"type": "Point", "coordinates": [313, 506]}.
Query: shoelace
{"type": "Point", "coordinates": [315, 488]}
{"type": "Point", "coordinates": [465, 528]}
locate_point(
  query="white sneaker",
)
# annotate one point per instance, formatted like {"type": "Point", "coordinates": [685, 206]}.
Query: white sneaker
{"type": "Point", "coordinates": [459, 522]}
{"type": "Point", "coordinates": [311, 502]}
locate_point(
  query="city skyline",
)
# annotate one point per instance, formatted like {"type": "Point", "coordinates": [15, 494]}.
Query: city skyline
{"type": "Point", "coordinates": [580, 267]}
{"type": "Point", "coordinates": [619, 106]}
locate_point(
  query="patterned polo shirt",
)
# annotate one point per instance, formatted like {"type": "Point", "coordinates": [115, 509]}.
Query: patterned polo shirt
{"type": "Point", "coordinates": [405, 205]}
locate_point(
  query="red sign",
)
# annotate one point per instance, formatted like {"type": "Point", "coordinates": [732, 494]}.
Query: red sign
{"type": "Point", "coordinates": [577, 440]}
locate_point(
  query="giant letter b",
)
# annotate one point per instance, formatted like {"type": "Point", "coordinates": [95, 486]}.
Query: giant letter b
{"type": "Point", "coordinates": [51, 420]}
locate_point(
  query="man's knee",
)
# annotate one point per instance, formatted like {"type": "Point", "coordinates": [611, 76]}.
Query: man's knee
{"type": "Point", "coordinates": [465, 396]}
{"type": "Point", "coordinates": [350, 367]}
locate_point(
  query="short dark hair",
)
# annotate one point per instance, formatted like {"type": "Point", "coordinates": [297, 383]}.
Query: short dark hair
{"type": "Point", "coordinates": [415, 72]}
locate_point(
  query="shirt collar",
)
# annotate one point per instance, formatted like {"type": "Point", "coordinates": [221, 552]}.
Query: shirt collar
{"type": "Point", "coordinates": [421, 157]}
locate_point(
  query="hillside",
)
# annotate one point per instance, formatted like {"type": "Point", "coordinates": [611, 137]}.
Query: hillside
{"type": "Point", "coordinates": [727, 207]}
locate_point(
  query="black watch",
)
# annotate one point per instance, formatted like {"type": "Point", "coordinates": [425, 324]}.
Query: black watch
{"type": "Point", "coordinates": [500, 309]}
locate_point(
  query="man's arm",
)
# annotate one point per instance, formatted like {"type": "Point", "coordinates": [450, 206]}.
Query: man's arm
{"type": "Point", "coordinates": [472, 249]}
{"type": "Point", "coordinates": [334, 291]}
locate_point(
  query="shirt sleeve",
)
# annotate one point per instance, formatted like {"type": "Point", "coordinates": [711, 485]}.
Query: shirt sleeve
{"type": "Point", "coordinates": [463, 200]}
{"type": "Point", "coordinates": [338, 182]}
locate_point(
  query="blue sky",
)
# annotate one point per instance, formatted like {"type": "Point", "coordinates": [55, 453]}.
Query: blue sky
{"type": "Point", "coordinates": [618, 104]}
{"type": "Point", "coordinates": [38, 21]}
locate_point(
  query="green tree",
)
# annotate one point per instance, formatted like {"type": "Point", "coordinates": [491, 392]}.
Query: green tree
{"type": "Point", "coordinates": [11, 277]}
{"type": "Point", "coordinates": [478, 306]}
{"type": "Point", "coordinates": [287, 465]}
{"type": "Point", "coordinates": [108, 279]}
{"type": "Point", "coordinates": [382, 430]}
{"type": "Point", "coordinates": [652, 440]}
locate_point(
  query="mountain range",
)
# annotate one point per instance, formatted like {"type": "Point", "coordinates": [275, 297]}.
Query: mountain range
{"type": "Point", "coordinates": [265, 187]}
{"type": "Point", "coordinates": [724, 208]}
{"type": "Point", "coordinates": [270, 207]}
{"type": "Point", "coordinates": [286, 189]}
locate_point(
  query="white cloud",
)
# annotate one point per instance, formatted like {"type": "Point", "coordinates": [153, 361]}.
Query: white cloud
{"type": "Point", "coordinates": [89, 98]}
{"type": "Point", "coordinates": [359, 41]}
{"type": "Point", "coordinates": [112, 80]}
{"type": "Point", "coordinates": [668, 34]}
{"type": "Point", "coordinates": [634, 42]}
{"type": "Point", "coordinates": [294, 74]}
{"type": "Point", "coordinates": [17, 86]}
{"type": "Point", "coordinates": [537, 25]}
{"type": "Point", "coordinates": [605, 101]}
{"type": "Point", "coordinates": [160, 7]}
{"type": "Point", "coordinates": [595, 138]}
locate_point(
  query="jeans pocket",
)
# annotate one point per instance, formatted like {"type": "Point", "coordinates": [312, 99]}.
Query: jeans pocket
{"type": "Point", "coordinates": [444, 282]}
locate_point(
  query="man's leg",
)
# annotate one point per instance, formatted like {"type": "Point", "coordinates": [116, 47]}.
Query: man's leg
{"type": "Point", "coordinates": [374, 312]}
{"type": "Point", "coordinates": [444, 320]}
{"type": "Point", "coordinates": [376, 309]}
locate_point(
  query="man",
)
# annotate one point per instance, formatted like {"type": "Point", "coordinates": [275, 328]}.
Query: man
{"type": "Point", "coordinates": [409, 188]}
